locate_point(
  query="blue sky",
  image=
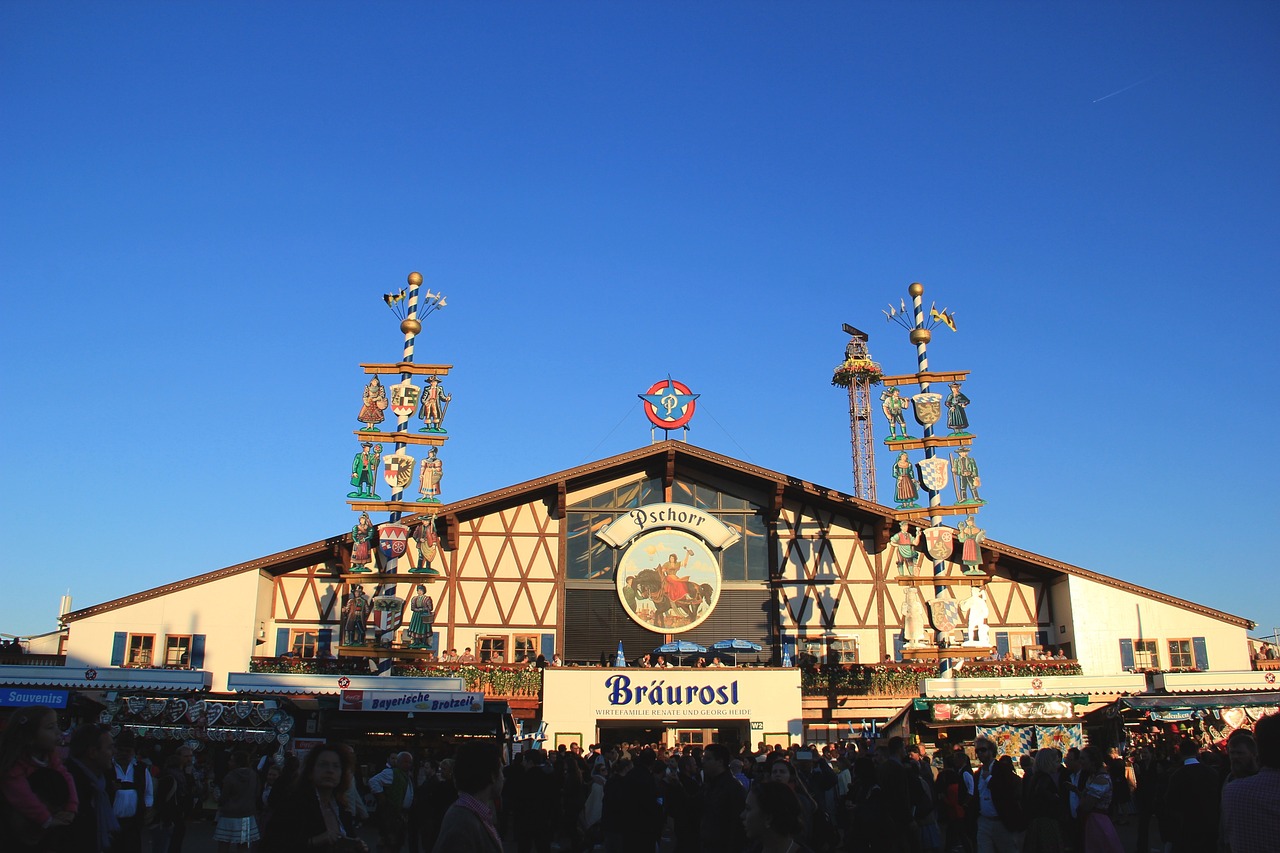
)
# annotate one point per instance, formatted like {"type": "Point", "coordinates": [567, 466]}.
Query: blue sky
{"type": "Point", "coordinates": [203, 203]}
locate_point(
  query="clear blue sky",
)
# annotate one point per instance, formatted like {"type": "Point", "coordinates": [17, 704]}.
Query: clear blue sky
{"type": "Point", "coordinates": [202, 204]}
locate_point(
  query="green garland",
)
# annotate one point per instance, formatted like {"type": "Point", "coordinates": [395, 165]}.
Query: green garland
{"type": "Point", "coordinates": [1018, 668]}
{"type": "Point", "coordinates": [311, 666]}
{"type": "Point", "coordinates": [490, 680]}
{"type": "Point", "coordinates": [879, 679]}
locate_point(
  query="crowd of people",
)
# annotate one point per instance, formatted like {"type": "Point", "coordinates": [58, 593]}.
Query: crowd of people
{"type": "Point", "coordinates": [97, 792]}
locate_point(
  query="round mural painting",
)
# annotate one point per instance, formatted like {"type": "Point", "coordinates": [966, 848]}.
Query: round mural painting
{"type": "Point", "coordinates": [668, 581]}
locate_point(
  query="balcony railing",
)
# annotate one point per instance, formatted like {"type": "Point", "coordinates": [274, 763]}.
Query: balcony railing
{"type": "Point", "coordinates": [32, 660]}
{"type": "Point", "coordinates": [903, 679]}
{"type": "Point", "coordinates": [495, 680]}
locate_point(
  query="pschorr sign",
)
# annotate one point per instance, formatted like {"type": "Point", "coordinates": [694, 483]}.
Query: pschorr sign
{"type": "Point", "coordinates": [415, 701]}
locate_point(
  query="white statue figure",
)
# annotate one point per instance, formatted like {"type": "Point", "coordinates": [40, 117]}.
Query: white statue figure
{"type": "Point", "coordinates": [912, 619]}
{"type": "Point", "coordinates": [978, 634]}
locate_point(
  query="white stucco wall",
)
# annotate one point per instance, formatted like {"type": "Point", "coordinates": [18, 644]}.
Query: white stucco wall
{"type": "Point", "coordinates": [1104, 615]}
{"type": "Point", "coordinates": [223, 610]}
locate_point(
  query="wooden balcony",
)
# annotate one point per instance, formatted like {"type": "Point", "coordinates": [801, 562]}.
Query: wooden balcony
{"type": "Point", "coordinates": [32, 660]}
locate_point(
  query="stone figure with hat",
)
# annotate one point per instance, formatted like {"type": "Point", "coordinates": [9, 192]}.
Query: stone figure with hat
{"type": "Point", "coordinates": [894, 406]}
{"type": "Point", "coordinates": [957, 417]}
{"type": "Point", "coordinates": [964, 470]}
{"type": "Point", "coordinates": [373, 409]}
{"type": "Point", "coordinates": [364, 470]}
{"type": "Point", "coordinates": [970, 537]}
{"type": "Point", "coordinates": [423, 614]}
{"type": "Point", "coordinates": [355, 617]}
{"type": "Point", "coordinates": [904, 545]}
{"type": "Point", "coordinates": [905, 490]}
{"type": "Point", "coordinates": [364, 539]}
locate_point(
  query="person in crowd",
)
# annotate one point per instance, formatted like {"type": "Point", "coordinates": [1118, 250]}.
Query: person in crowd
{"type": "Point", "coordinates": [1000, 821]}
{"type": "Point", "coordinates": [1242, 753]}
{"type": "Point", "coordinates": [38, 791]}
{"type": "Point", "coordinates": [723, 799]}
{"type": "Point", "coordinates": [613, 822]}
{"type": "Point", "coordinates": [170, 799]}
{"type": "Point", "coordinates": [1043, 803]}
{"type": "Point", "coordinates": [782, 770]}
{"type": "Point", "coordinates": [314, 815]}
{"type": "Point", "coordinates": [1191, 803]}
{"type": "Point", "coordinates": [1150, 777]}
{"type": "Point", "coordinates": [134, 794]}
{"type": "Point", "coordinates": [535, 803]}
{"type": "Point", "coordinates": [92, 752]}
{"type": "Point", "coordinates": [468, 825]}
{"type": "Point", "coordinates": [467, 656]}
{"type": "Point", "coordinates": [1099, 833]}
{"type": "Point", "coordinates": [393, 789]}
{"type": "Point", "coordinates": [771, 819]}
{"type": "Point", "coordinates": [635, 825]}
{"type": "Point", "coordinates": [1251, 805]}
{"type": "Point", "coordinates": [237, 806]}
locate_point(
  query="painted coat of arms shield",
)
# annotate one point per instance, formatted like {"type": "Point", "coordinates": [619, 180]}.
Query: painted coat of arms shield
{"type": "Point", "coordinates": [939, 541]}
{"type": "Point", "coordinates": [404, 398]}
{"type": "Point", "coordinates": [393, 539]}
{"type": "Point", "coordinates": [945, 613]}
{"type": "Point", "coordinates": [933, 473]}
{"type": "Point", "coordinates": [397, 470]}
{"type": "Point", "coordinates": [927, 408]}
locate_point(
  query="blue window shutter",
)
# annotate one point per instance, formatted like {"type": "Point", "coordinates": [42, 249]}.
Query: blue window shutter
{"type": "Point", "coordinates": [548, 646]}
{"type": "Point", "coordinates": [282, 641]}
{"type": "Point", "coordinates": [1201, 652]}
{"type": "Point", "coordinates": [197, 651]}
{"type": "Point", "coordinates": [897, 646]}
{"type": "Point", "coordinates": [117, 648]}
{"type": "Point", "coordinates": [324, 640]}
{"type": "Point", "coordinates": [1002, 643]}
{"type": "Point", "coordinates": [1042, 639]}
{"type": "Point", "coordinates": [1126, 655]}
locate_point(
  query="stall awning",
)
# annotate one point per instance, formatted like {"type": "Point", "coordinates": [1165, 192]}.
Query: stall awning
{"type": "Point", "coordinates": [1197, 701]}
{"type": "Point", "coordinates": [107, 678]}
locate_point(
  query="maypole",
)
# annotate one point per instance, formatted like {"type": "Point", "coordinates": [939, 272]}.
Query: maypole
{"type": "Point", "coordinates": [394, 538]}
{"type": "Point", "coordinates": [931, 474]}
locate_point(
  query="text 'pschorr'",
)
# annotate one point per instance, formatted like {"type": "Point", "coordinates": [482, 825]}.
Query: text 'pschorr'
{"type": "Point", "coordinates": [658, 692]}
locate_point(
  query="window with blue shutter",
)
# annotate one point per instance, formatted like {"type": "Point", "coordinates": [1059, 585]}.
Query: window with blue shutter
{"type": "Point", "coordinates": [324, 642]}
{"type": "Point", "coordinates": [1201, 652]}
{"type": "Point", "coordinates": [282, 641]}
{"type": "Point", "coordinates": [117, 648]}
{"type": "Point", "coordinates": [1126, 655]}
{"type": "Point", "coordinates": [548, 646]}
{"type": "Point", "coordinates": [197, 651]}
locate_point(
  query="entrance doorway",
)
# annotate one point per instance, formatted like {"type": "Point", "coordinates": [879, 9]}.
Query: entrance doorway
{"type": "Point", "coordinates": [676, 734]}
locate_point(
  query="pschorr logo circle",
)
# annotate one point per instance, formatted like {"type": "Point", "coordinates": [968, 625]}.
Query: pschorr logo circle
{"type": "Point", "coordinates": [90, 675]}
{"type": "Point", "coordinates": [344, 682]}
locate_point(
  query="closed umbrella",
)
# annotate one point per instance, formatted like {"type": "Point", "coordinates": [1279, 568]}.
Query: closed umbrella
{"type": "Point", "coordinates": [621, 659]}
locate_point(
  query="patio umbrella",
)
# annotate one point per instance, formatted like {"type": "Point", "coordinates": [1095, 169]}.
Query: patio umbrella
{"type": "Point", "coordinates": [680, 647]}
{"type": "Point", "coordinates": [736, 646]}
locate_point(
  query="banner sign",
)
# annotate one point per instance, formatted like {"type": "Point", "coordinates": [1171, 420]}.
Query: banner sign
{"type": "Point", "coordinates": [415, 701]}
{"type": "Point", "coordinates": [661, 516]}
{"type": "Point", "coordinates": [16, 697]}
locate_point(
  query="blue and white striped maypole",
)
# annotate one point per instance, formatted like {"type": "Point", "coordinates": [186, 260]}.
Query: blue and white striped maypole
{"type": "Point", "coordinates": [920, 336]}
{"type": "Point", "coordinates": [410, 326]}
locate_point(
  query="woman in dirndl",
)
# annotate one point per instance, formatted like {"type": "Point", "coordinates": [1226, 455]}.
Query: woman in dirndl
{"type": "Point", "coordinates": [237, 827]}
{"type": "Point", "coordinates": [1095, 804]}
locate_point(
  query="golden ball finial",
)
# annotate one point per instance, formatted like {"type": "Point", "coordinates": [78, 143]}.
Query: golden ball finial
{"type": "Point", "coordinates": [410, 326]}
{"type": "Point", "coordinates": [921, 336]}
{"type": "Point", "coordinates": [415, 279]}
{"type": "Point", "coordinates": [915, 289]}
